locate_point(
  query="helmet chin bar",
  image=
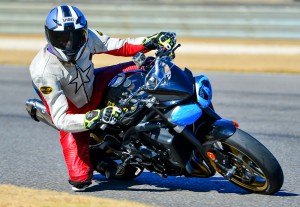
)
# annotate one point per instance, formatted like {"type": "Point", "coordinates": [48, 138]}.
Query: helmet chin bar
{"type": "Point", "coordinates": [71, 55]}
{"type": "Point", "coordinates": [62, 56]}
{"type": "Point", "coordinates": [80, 52]}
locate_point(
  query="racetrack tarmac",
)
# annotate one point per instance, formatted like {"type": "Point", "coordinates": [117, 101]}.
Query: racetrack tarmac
{"type": "Point", "coordinates": [265, 105]}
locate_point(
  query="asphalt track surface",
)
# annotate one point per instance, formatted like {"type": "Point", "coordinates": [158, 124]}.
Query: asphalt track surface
{"type": "Point", "coordinates": [266, 105]}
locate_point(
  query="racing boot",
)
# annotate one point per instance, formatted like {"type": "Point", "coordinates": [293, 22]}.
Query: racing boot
{"type": "Point", "coordinates": [80, 186]}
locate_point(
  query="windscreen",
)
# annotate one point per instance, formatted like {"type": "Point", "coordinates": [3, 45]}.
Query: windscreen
{"type": "Point", "coordinates": [159, 74]}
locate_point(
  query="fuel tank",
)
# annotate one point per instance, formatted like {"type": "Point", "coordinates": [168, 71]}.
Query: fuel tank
{"type": "Point", "coordinates": [179, 87]}
{"type": "Point", "coordinates": [122, 86]}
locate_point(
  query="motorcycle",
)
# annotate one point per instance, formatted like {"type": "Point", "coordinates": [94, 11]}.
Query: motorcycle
{"type": "Point", "coordinates": [170, 127]}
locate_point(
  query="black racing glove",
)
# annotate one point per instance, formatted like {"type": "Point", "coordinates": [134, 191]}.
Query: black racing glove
{"type": "Point", "coordinates": [162, 39]}
{"type": "Point", "coordinates": [108, 115]}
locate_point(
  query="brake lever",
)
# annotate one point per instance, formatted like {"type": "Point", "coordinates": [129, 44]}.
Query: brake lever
{"type": "Point", "coordinates": [175, 48]}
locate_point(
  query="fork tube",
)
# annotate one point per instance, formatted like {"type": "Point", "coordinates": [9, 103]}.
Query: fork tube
{"type": "Point", "coordinates": [190, 136]}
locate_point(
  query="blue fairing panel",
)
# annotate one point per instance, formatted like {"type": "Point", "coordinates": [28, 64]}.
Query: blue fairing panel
{"type": "Point", "coordinates": [185, 114]}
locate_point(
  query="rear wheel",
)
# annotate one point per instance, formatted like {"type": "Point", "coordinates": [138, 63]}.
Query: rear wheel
{"type": "Point", "coordinates": [247, 163]}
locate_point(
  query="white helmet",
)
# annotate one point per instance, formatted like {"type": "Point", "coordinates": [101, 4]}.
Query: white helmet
{"type": "Point", "coordinates": [66, 32]}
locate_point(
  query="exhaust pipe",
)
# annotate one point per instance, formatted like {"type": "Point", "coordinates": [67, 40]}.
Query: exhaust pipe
{"type": "Point", "coordinates": [37, 111]}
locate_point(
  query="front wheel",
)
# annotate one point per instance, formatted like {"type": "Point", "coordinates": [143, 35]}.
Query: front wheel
{"type": "Point", "coordinates": [247, 163]}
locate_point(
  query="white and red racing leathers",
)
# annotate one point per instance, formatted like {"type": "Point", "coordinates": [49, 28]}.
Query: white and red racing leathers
{"type": "Point", "coordinates": [70, 90]}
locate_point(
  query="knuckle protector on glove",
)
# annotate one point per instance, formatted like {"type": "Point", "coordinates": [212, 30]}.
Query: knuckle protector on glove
{"type": "Point", "coordinates": [111, 114]}
{"type": "Point", "coordinates": [106, 114]}
{"type": "Point", "coordinates": [151, 42]}
{"type": "Point", "coordinates": [164, 39]}
{"type": "Point", "coordinates": [167, 40]}
{"type": "Point", "coordinates": [92, 119]}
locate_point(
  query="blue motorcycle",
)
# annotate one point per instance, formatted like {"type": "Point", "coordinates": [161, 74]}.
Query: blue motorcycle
{"type": "Point", "coordinates": [169, 127]}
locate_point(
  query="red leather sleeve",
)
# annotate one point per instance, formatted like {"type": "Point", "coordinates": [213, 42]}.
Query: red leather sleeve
{"type": "Point", "coordinates": [127, 50]}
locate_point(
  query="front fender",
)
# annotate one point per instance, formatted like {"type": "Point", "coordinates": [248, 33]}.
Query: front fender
{"type": "Point", "coordinates": [219, 130]}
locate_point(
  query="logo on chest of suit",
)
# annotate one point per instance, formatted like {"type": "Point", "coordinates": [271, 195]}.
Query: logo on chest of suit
{"type": "Point", "coordinates": [82, 77]}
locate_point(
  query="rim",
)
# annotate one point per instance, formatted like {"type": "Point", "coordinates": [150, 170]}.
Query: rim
{"type": "Point", "coordinates": [248, 174]}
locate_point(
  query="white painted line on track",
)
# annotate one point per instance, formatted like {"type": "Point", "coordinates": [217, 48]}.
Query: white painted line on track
{"type": "Point", "coordinates": [22, 44]}
{"type": "Point", "coordinates": [241, 49]}
{"type": "Point", "coordinates": [187, 48]}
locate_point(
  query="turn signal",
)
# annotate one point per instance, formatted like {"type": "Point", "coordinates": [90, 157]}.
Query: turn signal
{"type": "Point", "coordinates": [211, 155]}
{"type": "Point", "coordinates": [235, 124]}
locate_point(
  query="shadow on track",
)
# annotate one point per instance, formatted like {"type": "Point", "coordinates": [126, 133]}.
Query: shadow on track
{"type": "Point", "coordinates": [150, 182]}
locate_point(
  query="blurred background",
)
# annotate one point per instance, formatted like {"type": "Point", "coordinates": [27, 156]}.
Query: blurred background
{"type": "Point", "coordinates": [245, 35]}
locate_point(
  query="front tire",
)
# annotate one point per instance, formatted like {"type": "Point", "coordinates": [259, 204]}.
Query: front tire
{"type": "Point", "coordinates": [255, 169]}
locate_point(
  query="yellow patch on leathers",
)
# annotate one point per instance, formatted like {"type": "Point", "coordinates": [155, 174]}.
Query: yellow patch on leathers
{"type": "Point", "coordinates": [100, 33]}
{"type": "Point", "coordinates": [46, 90]}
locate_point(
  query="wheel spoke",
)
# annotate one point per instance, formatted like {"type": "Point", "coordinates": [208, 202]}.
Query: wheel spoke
{"type": "Point", "coordinates": [256, 170]}
{"type": "Point", "coordinates": [248, 174]}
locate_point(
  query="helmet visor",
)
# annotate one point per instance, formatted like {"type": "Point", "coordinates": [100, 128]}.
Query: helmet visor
{"type": "Point", "coordinates": [68, 40]}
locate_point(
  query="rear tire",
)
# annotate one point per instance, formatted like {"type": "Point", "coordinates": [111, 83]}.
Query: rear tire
{"type": "Point", "coordinates": [258, 171]}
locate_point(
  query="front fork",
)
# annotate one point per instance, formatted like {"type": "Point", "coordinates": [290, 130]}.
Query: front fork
{"type": "Point", "coordinates": [220, 129]}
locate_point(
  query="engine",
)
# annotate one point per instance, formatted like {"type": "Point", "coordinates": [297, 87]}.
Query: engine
{"type": "Point", "coordinates": [158, 150]}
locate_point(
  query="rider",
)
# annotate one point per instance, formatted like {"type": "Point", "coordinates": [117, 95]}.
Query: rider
{"type": "Point", "coordinates": [63, 75]}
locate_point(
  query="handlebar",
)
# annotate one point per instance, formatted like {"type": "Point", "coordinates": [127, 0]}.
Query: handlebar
{"type": "Point", "coordinates": [175, 48]}
{"type": "Point", "coordinates": [141, 60]}
{"type": "Point", "coordinates": [161, 52]}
